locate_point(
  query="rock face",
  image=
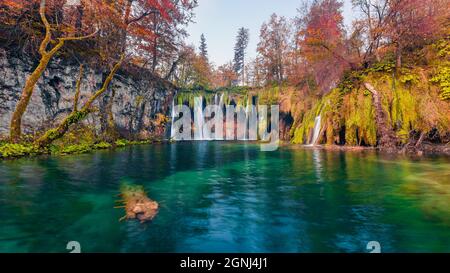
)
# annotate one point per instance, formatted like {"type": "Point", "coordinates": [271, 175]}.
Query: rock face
{"type": "Point", "coordinates": [136, 103]}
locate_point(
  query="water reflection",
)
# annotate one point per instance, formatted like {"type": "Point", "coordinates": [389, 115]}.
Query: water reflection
{"type": "Point", "coordinates": [221, 197]}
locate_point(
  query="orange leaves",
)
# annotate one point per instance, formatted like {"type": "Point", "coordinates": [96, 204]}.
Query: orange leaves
{"type": "Point", "coordinates": [142, 32]}
{"type": "Point", "coordinates": [13, 4]}
{"type": "Point", "coordinates": [164, 7]}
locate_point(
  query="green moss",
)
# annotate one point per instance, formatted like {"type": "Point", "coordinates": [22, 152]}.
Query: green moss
{"type": "Point", "coordinates": [102, 145]}
{"type": "Point", "coordinates": [410, 102]}
{"type": "Point", "coordinates": [442, 47]}
{"type": "Point", "coordinates": [442, 78]}
{"type": "Point", "coordinates": [328, 107]}
{"type": "Point", "coordinates": [359, 116]}
{"type": "Point", "coordinates": [80, 148]}
{"type": "Point", "coordinates": [441, 75]}
{"type": "Point", "coordinates": [269, 96]}
{"type": "Point", "coordinates": [239, 94]}
{"type": "Point", "coordinates": [139, 100]}
{"type": "Point", "coordinates": [407, 76]}
{"type": "Point", "coordinates": [121, 142]}
{"type": "Point", "coordinates": [385, 66]}
{"type": "Point", "coordinates": [10, 150]}
{"type": "Point", "coordinates": [404, 113]}
{"type": "Point", "coordinates": [350, 81]}
{"type": "Point", "coordinates": [76, 149]}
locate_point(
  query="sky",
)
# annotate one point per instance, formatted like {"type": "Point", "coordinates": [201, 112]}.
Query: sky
{"type": "Point", "coordinates": [220, 20]}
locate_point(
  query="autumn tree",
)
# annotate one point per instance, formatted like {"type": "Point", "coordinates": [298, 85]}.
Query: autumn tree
{"type": "Point", "coordinates": [240, 47]}
{"type": "Point", "coordinates": [193, 70]}
{"type": "Point", "coordinates": [47, 49]}
{"type": "Point", "coordinates": [371, 24]}
{"type": "Point", "coordinates": [165, 32]}
{"type": "Point", "coordinates": [273, 47]}
{"type": "Point", "coordinates": [202, 72]}
{"type": "Point", "coordinates": [414, 22]}
{"type": "Point", "coordinates": [123, 27]}
{"type": "Point", "coordinates": [401, 24]}
{"type": "Point", "coordinates": [224, 76]}
{"type": "Point", "coordinates": [322, 43]}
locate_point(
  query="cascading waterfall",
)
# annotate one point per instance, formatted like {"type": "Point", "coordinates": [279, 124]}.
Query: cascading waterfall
{"type": "Point", "coordinates": [316, 130]}
{"type": "Point", "coordinates": [216, 99]}
{"type": "Point", "coordinates": [198, 118]}
{"type": "Point", "coordinates": [220, 103]}
{"type": "Point", "coordinates": [172, 131]}
{"type": "Point", "coordinates": [247, 113]}
{"type": "Point", "coordinates": [247, 118]}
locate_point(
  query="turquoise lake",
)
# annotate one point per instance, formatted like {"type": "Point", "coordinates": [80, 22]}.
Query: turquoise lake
{"type": "Point", "coordinates": [227, 197]}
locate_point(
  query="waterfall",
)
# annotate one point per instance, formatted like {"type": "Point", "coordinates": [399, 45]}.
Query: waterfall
{"type": "Point", "coordinates": [246, 124]}
{"type": "Point", "coordinates": [216, 99]}
{"type": "Point", "coordinates": [198, 118]}
{"type": "Point", "coordinates": [221, 105]}
{"type": "Point", "coordinates": [172, 131]}
{"type": "Point", "coordinates": [316, 130]}
{"type": "Point", "coordinates": [221, 100]}
{"type": "Point", "coordinates": [247, 112]}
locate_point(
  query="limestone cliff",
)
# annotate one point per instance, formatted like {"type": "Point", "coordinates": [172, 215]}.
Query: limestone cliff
{"type": "Point", "coordinates": [138, 97]}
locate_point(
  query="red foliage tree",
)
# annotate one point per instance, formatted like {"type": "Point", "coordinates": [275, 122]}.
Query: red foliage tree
{"type": "Point", "coordinates": [322, 43]}
{"type": "Point", "coordinates": [123, 27]}
{"type": "Point", "coordinates": [414, 22]}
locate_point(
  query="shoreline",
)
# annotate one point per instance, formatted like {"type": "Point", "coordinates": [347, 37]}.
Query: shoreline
{"type": "Point", "coordinates": [426, 149]}
{"type": "Point", "coordinates": [78, 149]}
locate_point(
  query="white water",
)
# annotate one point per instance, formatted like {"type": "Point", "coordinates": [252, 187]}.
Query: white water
{"type": "Point", "coordinates": [316, 130]}
{"type": "Point", "coordinates": [221, 101]}
{"type": "Point", "coordinates": [247, 113]}
{"type": "Point", "coordinates": [251, 120]}
{"type": "Point", "coordinates": [172, 131]}
{"type": "Point", "coordinates": [198, 118]}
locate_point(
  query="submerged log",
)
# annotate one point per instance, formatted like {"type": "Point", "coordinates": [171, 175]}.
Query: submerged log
{"type": "Point", "coordinates": [136, 203]}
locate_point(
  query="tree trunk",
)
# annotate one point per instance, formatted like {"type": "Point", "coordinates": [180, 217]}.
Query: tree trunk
{"type": "Point", "coordinates": [398, 57]}
{"type": "Point", "coordinates": [76, 116]}
{"type": "Point", "coordinates": [63, 127]}
{"type": "Point", "coordinates": [46, 55]}
{"type": "Point", "coordinates": [377, 54]}
{"type": "Point", "coordinates": [387, 140]}
{"type": "Point", "coordinates": [21, 106]}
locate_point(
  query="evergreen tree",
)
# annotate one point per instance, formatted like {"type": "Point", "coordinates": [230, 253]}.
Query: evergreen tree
{"type": "Point", "coordinates": [203, 47]}
{"type": "Point", "coordinates": [242, 40]}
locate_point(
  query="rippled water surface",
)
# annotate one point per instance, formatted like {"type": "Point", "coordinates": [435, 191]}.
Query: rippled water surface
{"type": "Point", "coordinates": [227, 197]}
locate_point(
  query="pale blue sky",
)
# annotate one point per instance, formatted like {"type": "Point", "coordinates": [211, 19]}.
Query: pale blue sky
{"type": "Point", "coordinates": [219, 20]}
